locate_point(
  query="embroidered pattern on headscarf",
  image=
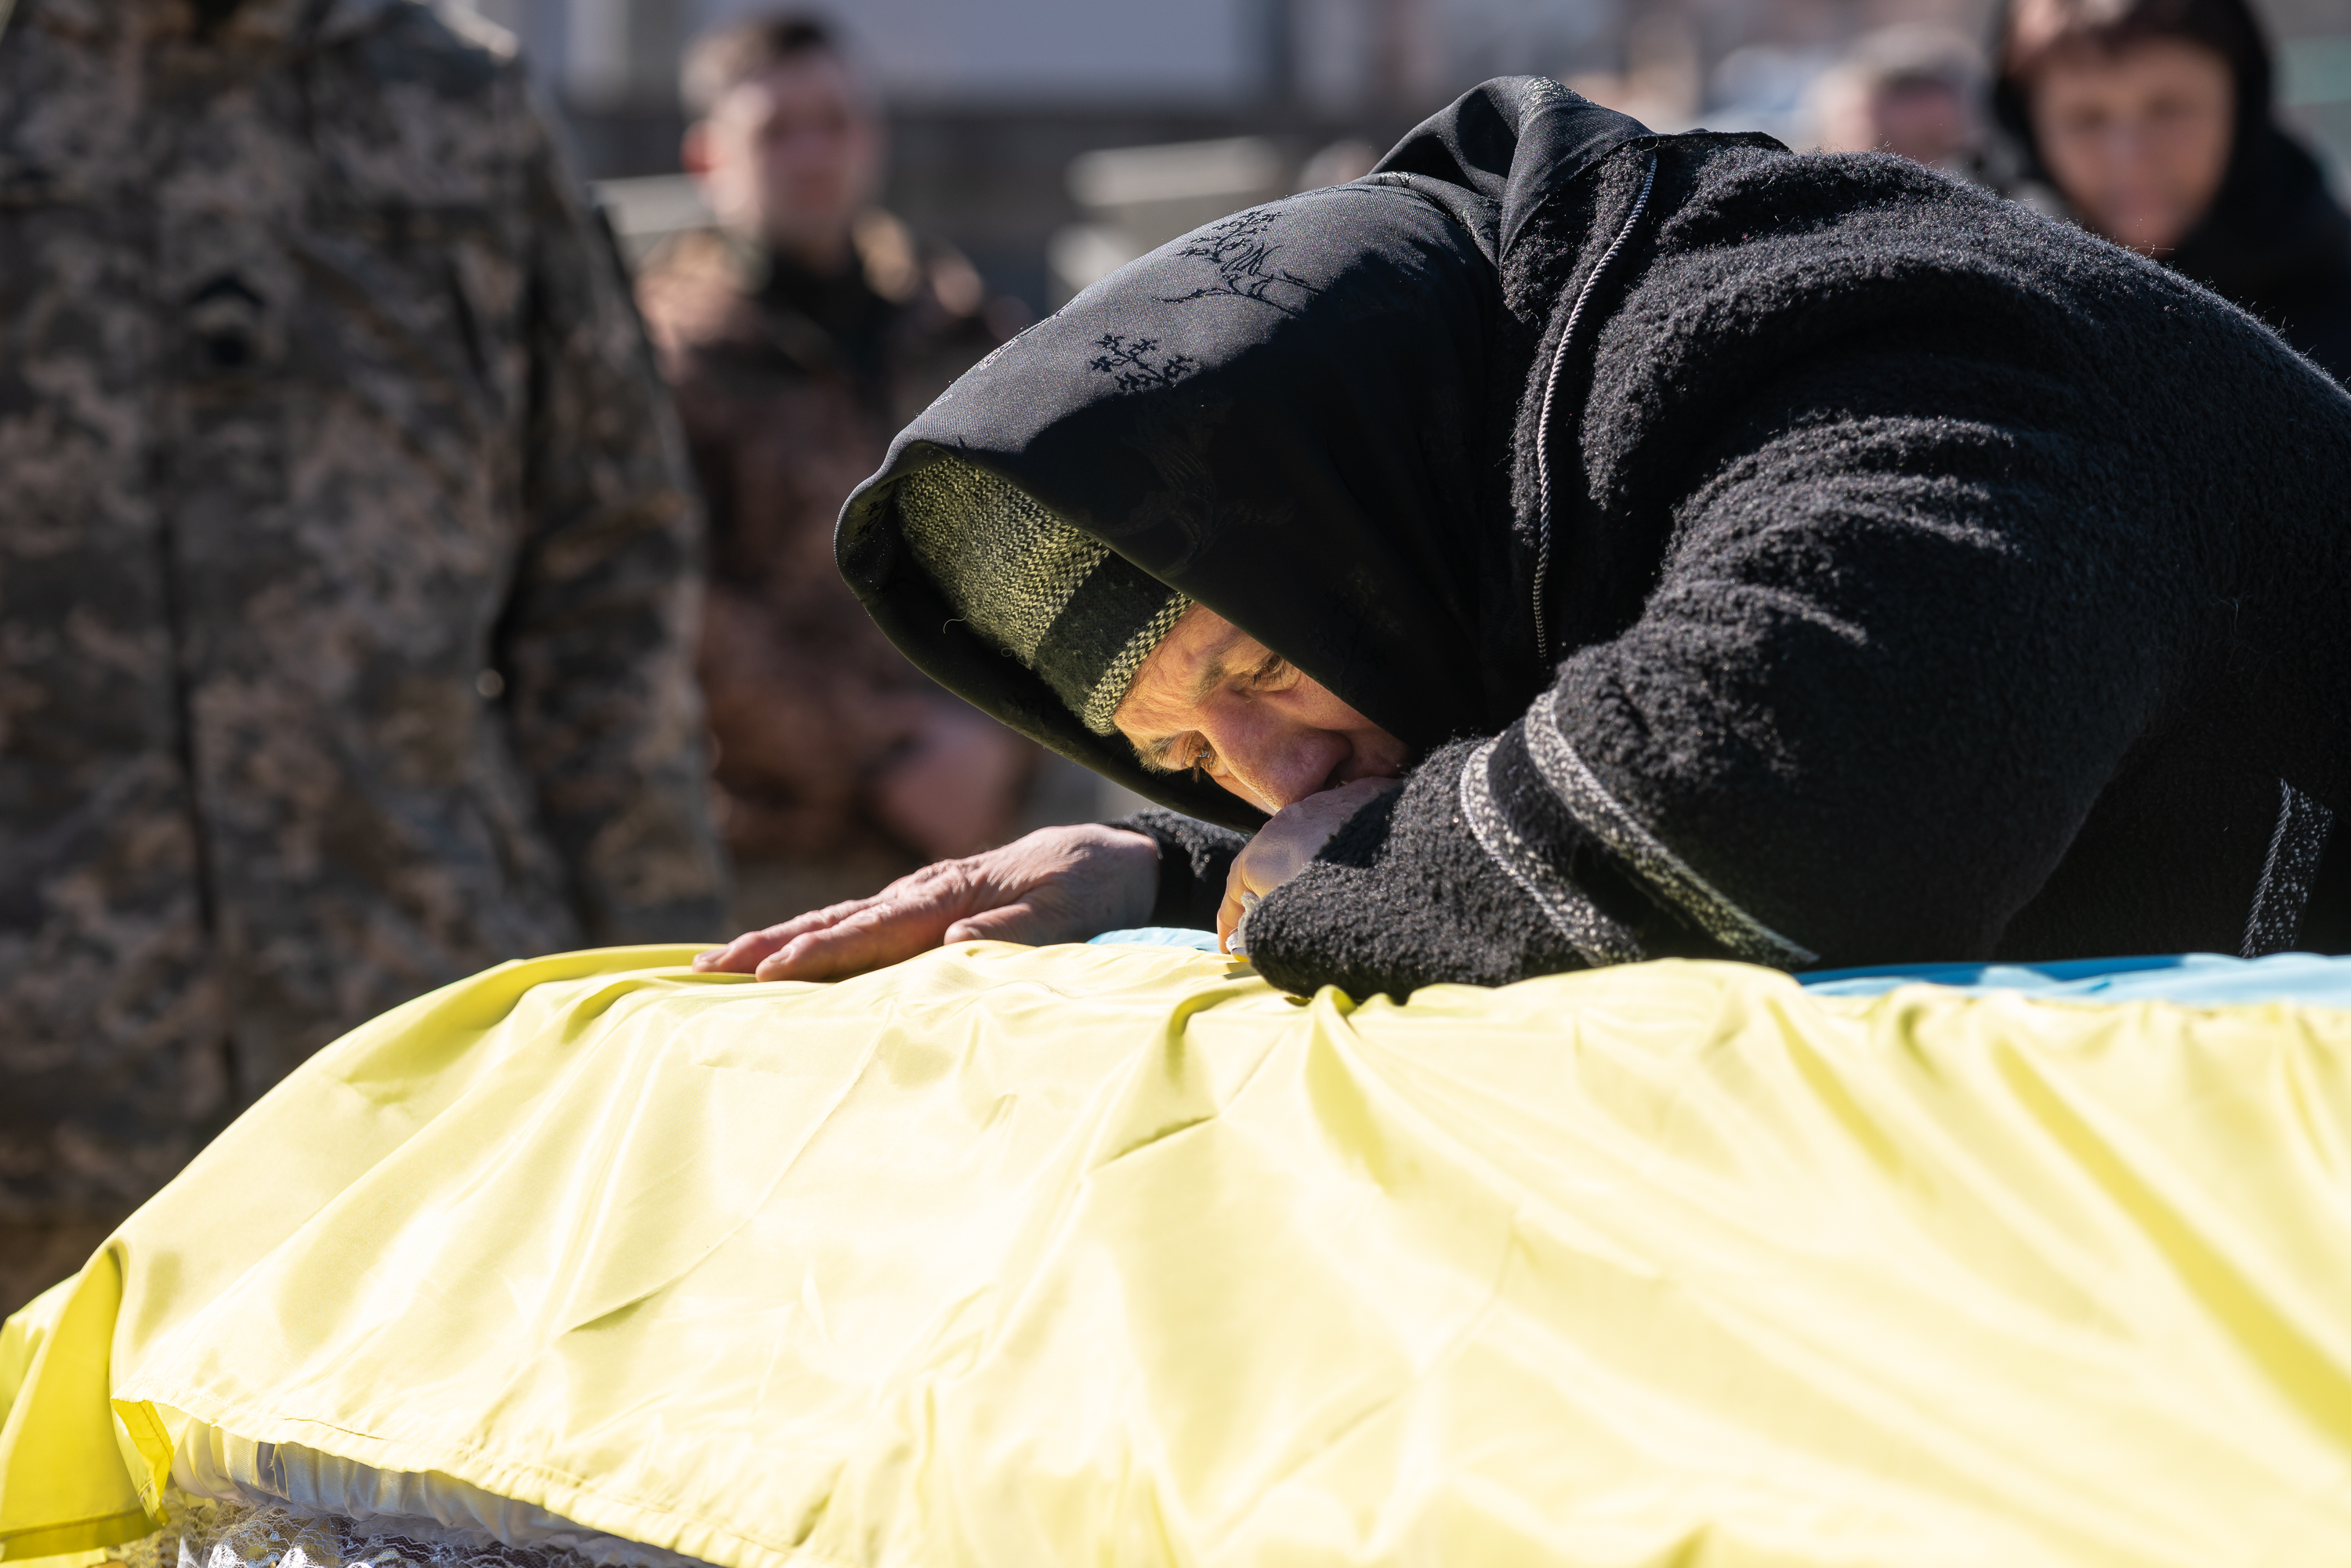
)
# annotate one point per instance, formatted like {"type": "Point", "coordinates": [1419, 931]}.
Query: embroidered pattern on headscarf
{"type": "Point", "coordinates": [1128, 361]}
{"type": "Point", "coordinates": [1239, 249]}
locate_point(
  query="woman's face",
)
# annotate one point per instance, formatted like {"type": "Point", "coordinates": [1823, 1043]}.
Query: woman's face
{"type": "Point", "coordinates": [1212, 697]}
{"type": "Point", "coordinates": [2137, 140]}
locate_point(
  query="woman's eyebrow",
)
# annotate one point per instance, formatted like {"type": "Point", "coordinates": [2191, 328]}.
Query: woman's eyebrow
{"type": "Point", "coordinates": [1216, 671]}
{"type": "Point", "coordinates": [1203, 684]}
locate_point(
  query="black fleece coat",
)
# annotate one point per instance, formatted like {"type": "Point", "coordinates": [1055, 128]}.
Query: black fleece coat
{"type": "Point", "coordinates": [1926, 579]}
{"type": "Point", "coordinates": [1941, 583]}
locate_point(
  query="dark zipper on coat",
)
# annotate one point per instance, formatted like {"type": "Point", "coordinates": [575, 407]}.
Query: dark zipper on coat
{"type": "Point", "coordinates": [1550, 391]}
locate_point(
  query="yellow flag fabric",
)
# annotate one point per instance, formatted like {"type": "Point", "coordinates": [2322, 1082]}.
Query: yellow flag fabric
{"type": "Point", "coordinates": [1116, 1255]}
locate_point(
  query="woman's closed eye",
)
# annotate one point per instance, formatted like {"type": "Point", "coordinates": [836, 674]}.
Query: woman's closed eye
{"type": "Point", "coordinates": [1188, 753]}
{"type": "Point", "coordinates": [1271, 673]}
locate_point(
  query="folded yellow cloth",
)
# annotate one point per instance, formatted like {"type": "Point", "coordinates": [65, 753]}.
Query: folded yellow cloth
{"type": "Point", "coordinates": [1089, 1255]}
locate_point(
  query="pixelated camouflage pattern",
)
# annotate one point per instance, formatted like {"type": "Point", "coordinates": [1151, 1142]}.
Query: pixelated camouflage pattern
{"type": "Point", "coordinates": [348, 566]}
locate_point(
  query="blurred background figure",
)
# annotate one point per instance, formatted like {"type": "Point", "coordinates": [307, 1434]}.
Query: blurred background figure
{"type": "Point", "coordinates": [995, 107]}
{"type": "Point", "coordinates": [801, 330]}
{"type": "Point", "coordinates": [2151, 122]}
{"type": "Point", "coordinates": [347, 567]}
{"type": "Point", "coordinates": [1910, 90]}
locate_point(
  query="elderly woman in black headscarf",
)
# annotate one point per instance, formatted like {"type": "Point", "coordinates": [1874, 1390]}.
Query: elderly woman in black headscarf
{"type": "Point", "coordinates": [1584, 545]}
{"type": "Point", "coordinates": [2150, 121]}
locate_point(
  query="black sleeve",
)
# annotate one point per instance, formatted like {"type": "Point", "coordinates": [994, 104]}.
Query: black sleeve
{"type": "Point", "coordinates": [1195, 857]}
{"type": "Point", "coordinates": [1902, 638]}
{"type": "Point", "coordinates": [1404, 895]}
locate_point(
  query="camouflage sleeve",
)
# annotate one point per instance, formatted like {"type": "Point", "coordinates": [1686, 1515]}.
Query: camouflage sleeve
{"type": "Point", "coordinates": [597, 643]}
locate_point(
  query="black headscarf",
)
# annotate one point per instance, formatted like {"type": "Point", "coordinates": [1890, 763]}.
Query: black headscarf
{"type": "Point", "coordinates": [1286, 417]}
{"type": "Point", "coordinates": [2273, 240]}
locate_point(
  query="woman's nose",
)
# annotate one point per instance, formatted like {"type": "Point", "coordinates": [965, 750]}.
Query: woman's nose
{"type": "Point", "coordinates": [1279, 764]}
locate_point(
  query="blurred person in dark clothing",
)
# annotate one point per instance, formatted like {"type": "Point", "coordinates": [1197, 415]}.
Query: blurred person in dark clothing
{"type": "Point", "coordinates": [1907, 89]}
{"type": "Point", "coordinates": [801, 333]}
{"type": "Point", "coordinates": [2150, 122]}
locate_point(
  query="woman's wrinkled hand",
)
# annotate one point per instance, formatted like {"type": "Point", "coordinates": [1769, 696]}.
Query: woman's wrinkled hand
{"type": "Point", "coordinates": [1058, 884]}
{"type": "Point", "coordinates": [1288, 842]}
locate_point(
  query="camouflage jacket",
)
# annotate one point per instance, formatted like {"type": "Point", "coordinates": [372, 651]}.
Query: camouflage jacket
{"type": "Point", "coordinates": [790, 387]}
{"type": "Point", "coordinates": [347, 564]}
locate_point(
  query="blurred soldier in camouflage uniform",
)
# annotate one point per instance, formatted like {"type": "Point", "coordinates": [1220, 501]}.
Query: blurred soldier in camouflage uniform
{"type": "Point", "coordinates": [348, 570]}
{"type": "Point", "coordinates": [800, 334]}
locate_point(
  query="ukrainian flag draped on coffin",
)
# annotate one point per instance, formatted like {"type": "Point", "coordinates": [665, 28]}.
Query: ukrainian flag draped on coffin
{"type": "Point", "coordinates": [1017, 1256]}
